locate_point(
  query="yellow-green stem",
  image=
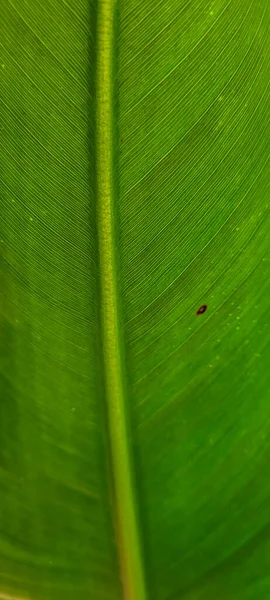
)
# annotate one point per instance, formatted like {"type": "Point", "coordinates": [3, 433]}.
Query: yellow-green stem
{"type": "Point", "coordinates": [124, 493]}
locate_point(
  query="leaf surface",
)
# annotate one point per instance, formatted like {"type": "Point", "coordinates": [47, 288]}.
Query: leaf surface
{"type": "Point", "coordinates": [134, 189]}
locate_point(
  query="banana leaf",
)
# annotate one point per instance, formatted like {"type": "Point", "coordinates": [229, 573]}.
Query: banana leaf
{"type": "Point", "coordinates": [134, 300]}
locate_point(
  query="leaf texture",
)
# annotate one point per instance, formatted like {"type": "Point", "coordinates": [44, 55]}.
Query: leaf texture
{"type": "Point", "coordinates": [134, 189]}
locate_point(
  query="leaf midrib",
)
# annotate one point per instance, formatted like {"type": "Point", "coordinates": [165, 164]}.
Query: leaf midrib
{"type": "Point", "coordinates": [128, 538]}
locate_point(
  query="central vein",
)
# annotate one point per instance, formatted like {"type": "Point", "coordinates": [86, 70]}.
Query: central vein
{"type": "Point", "coordinates": [124, 494]}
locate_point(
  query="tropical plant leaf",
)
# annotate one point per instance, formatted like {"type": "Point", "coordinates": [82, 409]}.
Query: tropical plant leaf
{"type": "Point", "coordinates": [134, 300]}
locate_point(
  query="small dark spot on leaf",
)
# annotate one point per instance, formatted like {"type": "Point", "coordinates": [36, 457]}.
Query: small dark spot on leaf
{"type": "Point", "coordinates": [202, 309]}
{"type": "Point", "coordinates": [121, 140]}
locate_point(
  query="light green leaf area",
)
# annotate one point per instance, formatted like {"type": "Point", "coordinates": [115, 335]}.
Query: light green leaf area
{"type": "Point", "coordinates": [134, 188]}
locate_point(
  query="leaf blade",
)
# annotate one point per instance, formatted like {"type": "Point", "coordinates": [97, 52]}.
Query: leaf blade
{"type": "Point", "coordinates": [191, 210]}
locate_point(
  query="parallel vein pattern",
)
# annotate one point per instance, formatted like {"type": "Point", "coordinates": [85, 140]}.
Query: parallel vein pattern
{"type": "Point", "coordinates": [194, 208]}
{"type": "Point", "coordinates": [134, 188]}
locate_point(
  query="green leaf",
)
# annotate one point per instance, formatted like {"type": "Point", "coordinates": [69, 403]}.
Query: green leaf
{"type": "Point", "coordinates": [134, 190]}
